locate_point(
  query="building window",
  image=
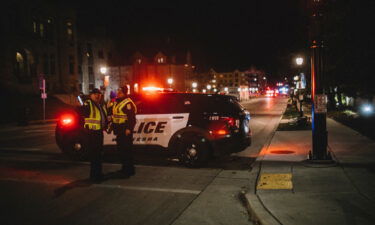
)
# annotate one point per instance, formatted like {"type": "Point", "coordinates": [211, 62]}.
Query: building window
{"type": "Point", "coordinates": [90, 57]}
{"type": "Point", "coordinates": [45, 64]}
{"type": "Point", "coordinates": [20, 64]}
{"type": "Point", "coordinates": [52, 64]}
{"type": "Point", "coordinates": [79, 54]}
{"type": "Point", "coordinates": [69, 31]}
{"type": "Point", "coordinates": [91, 74]}
{"type": "Point", "coordinates": [80, 74]}
{"type": "Point", "coordinates": [100, 54]}
{"type": "Point", "coordinates": [139, 61]}
{"type": "Point", "coordinates": [71, 64]}
{"type": "Point", "coordinates": [50, 35]}
{"type": "Point", "coordinates": [160, 60]}
{"type": "Point", "coordinates": [41, 30]}
{"type": "Point", "coordinates": [35, 27]}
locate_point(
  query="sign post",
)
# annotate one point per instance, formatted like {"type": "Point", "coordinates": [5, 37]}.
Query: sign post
{"type": "Point", "coordinates": [43, 96]}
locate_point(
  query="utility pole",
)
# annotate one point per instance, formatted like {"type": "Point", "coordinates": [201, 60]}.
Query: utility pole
{"type": "Point", "coordinates": [319, 97]}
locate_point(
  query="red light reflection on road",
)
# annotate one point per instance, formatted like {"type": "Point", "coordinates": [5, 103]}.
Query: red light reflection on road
{"type": "Point", "coordinates": [32, 176]}
{"type": "Point", "coordinates": [270, 103]}
{"type": "Point", "coordinates": [285, 152]}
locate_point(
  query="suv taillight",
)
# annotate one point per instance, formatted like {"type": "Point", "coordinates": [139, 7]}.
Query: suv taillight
{"type": "Point", "coordinates": [67, 120]}
{"type": "Point", "coordinates": [221, 126]}
{"type": "Point", "coordinates": [230, 121]}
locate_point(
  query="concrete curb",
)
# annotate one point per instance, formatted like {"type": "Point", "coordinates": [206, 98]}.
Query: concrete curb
{"type": "Point", "coordinates": [259, 214]}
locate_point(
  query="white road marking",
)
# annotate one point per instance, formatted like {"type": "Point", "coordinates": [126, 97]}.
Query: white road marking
{"type": "Point", "coordinates": [113, 186]}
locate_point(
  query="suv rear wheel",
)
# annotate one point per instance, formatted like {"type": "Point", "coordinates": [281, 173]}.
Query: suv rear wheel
{"type": "Point", "coordinates": [75, 147]}
{"type": "Point", "coordinates": [192, 150]}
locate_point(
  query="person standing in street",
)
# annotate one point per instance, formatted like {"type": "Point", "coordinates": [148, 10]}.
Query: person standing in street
{"type": "Point", "coordinates": [123, 122]}
{"type": "Point", "coordinates": [95, 115]}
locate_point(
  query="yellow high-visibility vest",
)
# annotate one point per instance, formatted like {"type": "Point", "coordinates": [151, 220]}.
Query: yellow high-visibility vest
{"type": "Point", "coordinates": [119, 117]}
{"type": "Point", "coordinates": [93, 122]}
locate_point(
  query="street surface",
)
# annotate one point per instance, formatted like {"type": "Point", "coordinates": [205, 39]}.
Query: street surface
{"type": "Point", "coordinates": [38, 185]}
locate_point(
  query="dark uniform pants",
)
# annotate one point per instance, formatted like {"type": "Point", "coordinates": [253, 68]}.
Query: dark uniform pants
{"type": "Point", "coordinates": [125, 146]}
{"type": "Point", "coordinates": [95, 148]}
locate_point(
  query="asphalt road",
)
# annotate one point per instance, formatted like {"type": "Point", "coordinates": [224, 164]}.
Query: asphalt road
{"type": "Point", "coordinates": [38, 185]}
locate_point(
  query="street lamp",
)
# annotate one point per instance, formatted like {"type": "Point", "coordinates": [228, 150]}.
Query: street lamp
{"type": "Point", "coordinates": [103, 70]}
{"type": "Point", "coordinates": [170, 81]}
{"type": "Point", "coordinates": [298, 79]}
{"type": "Point", "coordinates": [194, 85]}
{"type": "Point", "coordinates": [208, 87]}
{"type": "Point", "coordinates": [299, 61]}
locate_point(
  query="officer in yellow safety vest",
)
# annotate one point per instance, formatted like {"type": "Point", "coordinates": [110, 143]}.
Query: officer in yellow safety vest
{"type": "Point", "coordinates": [123, 122]}
{"type": "Point", "coordinates": [95, 122]}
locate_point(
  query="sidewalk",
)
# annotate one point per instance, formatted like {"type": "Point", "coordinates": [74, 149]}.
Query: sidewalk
{"type": "Point", "coordinates": [288, 190]}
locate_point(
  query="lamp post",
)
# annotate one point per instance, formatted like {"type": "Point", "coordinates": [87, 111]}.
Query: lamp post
{"type": "Point", "coordinates": [319, 99]}
{"type": "Point", "coordinates": [209, 87]}
{"type": "Point", "coordinates": [299, 62]}
{"type": "Point", "coordinates": [103, 70]}
{"type": "Point", "coordinates": [170, 82]}
{"type": "Point", "coordinates": [194, 86]}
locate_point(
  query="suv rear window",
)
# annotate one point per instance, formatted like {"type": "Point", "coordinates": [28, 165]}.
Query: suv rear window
{"type": "Point", "coordinates": [219, 104]}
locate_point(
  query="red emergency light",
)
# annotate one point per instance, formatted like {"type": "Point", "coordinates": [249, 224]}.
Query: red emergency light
{"type": "Point", "coordinates": [151, 88]}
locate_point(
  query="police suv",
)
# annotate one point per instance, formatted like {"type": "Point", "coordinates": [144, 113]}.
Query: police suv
{"type": "Point", "coordinates": [192, 126]}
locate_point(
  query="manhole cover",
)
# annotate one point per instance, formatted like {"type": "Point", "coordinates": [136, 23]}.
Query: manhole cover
{"type": "Point", "coordinates": [282, 152]}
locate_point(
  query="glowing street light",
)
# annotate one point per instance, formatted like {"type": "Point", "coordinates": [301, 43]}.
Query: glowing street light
{"type": "Point", "coordinates": [103, 70]}
{"type": "Point", "coordinates": [194, 85]}
{"type": "Point", "coordinates": [208, 87]}
{"type": "Point", "coordinates": [299, 61]}
{"type": "Point", "coordinates": [170, 81]}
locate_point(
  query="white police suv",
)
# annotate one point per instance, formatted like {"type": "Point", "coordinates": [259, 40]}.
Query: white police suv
{"type": "Point", "coordinates": [192, 126]}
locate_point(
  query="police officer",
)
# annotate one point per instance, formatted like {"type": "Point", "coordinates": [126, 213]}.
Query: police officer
{"type": "Point", "coordinates": [95, 122]}
{"type": "Point", "coordinates": [123, 122]}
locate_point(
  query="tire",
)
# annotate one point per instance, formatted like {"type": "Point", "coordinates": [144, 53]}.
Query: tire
{"type": "Point", "coordinates": [192, 150]}
{"type": "Point", "coordinates": [75, 148]}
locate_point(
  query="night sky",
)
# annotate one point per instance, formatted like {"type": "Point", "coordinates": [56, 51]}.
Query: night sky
{"type": "Point", "coordinates": [234, 35]}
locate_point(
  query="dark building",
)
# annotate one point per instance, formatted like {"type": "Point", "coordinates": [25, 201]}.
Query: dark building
{"type": "Point", "coordinates": [156, 69]}
{"type": "Point", "coordinates": [39, 41]}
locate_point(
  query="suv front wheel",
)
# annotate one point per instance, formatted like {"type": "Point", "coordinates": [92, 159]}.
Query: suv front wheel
{"type": "Point", "coordinates": [192, 150]}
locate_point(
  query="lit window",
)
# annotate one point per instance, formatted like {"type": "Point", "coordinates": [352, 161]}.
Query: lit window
{"type": "Point", "coordinates": [69, 30]}
{"type": "Point", "coordinates": [35, 27]}
{"type": "Point", "coordinates": [19, 57]}
{"type": "Point", "coordinates": [139, 61]}
{"type": "Point", "coordinates": [41, 29]}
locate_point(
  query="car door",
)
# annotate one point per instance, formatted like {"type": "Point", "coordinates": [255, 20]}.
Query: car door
{"type": "Point", "coordinates": [158, 118]}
